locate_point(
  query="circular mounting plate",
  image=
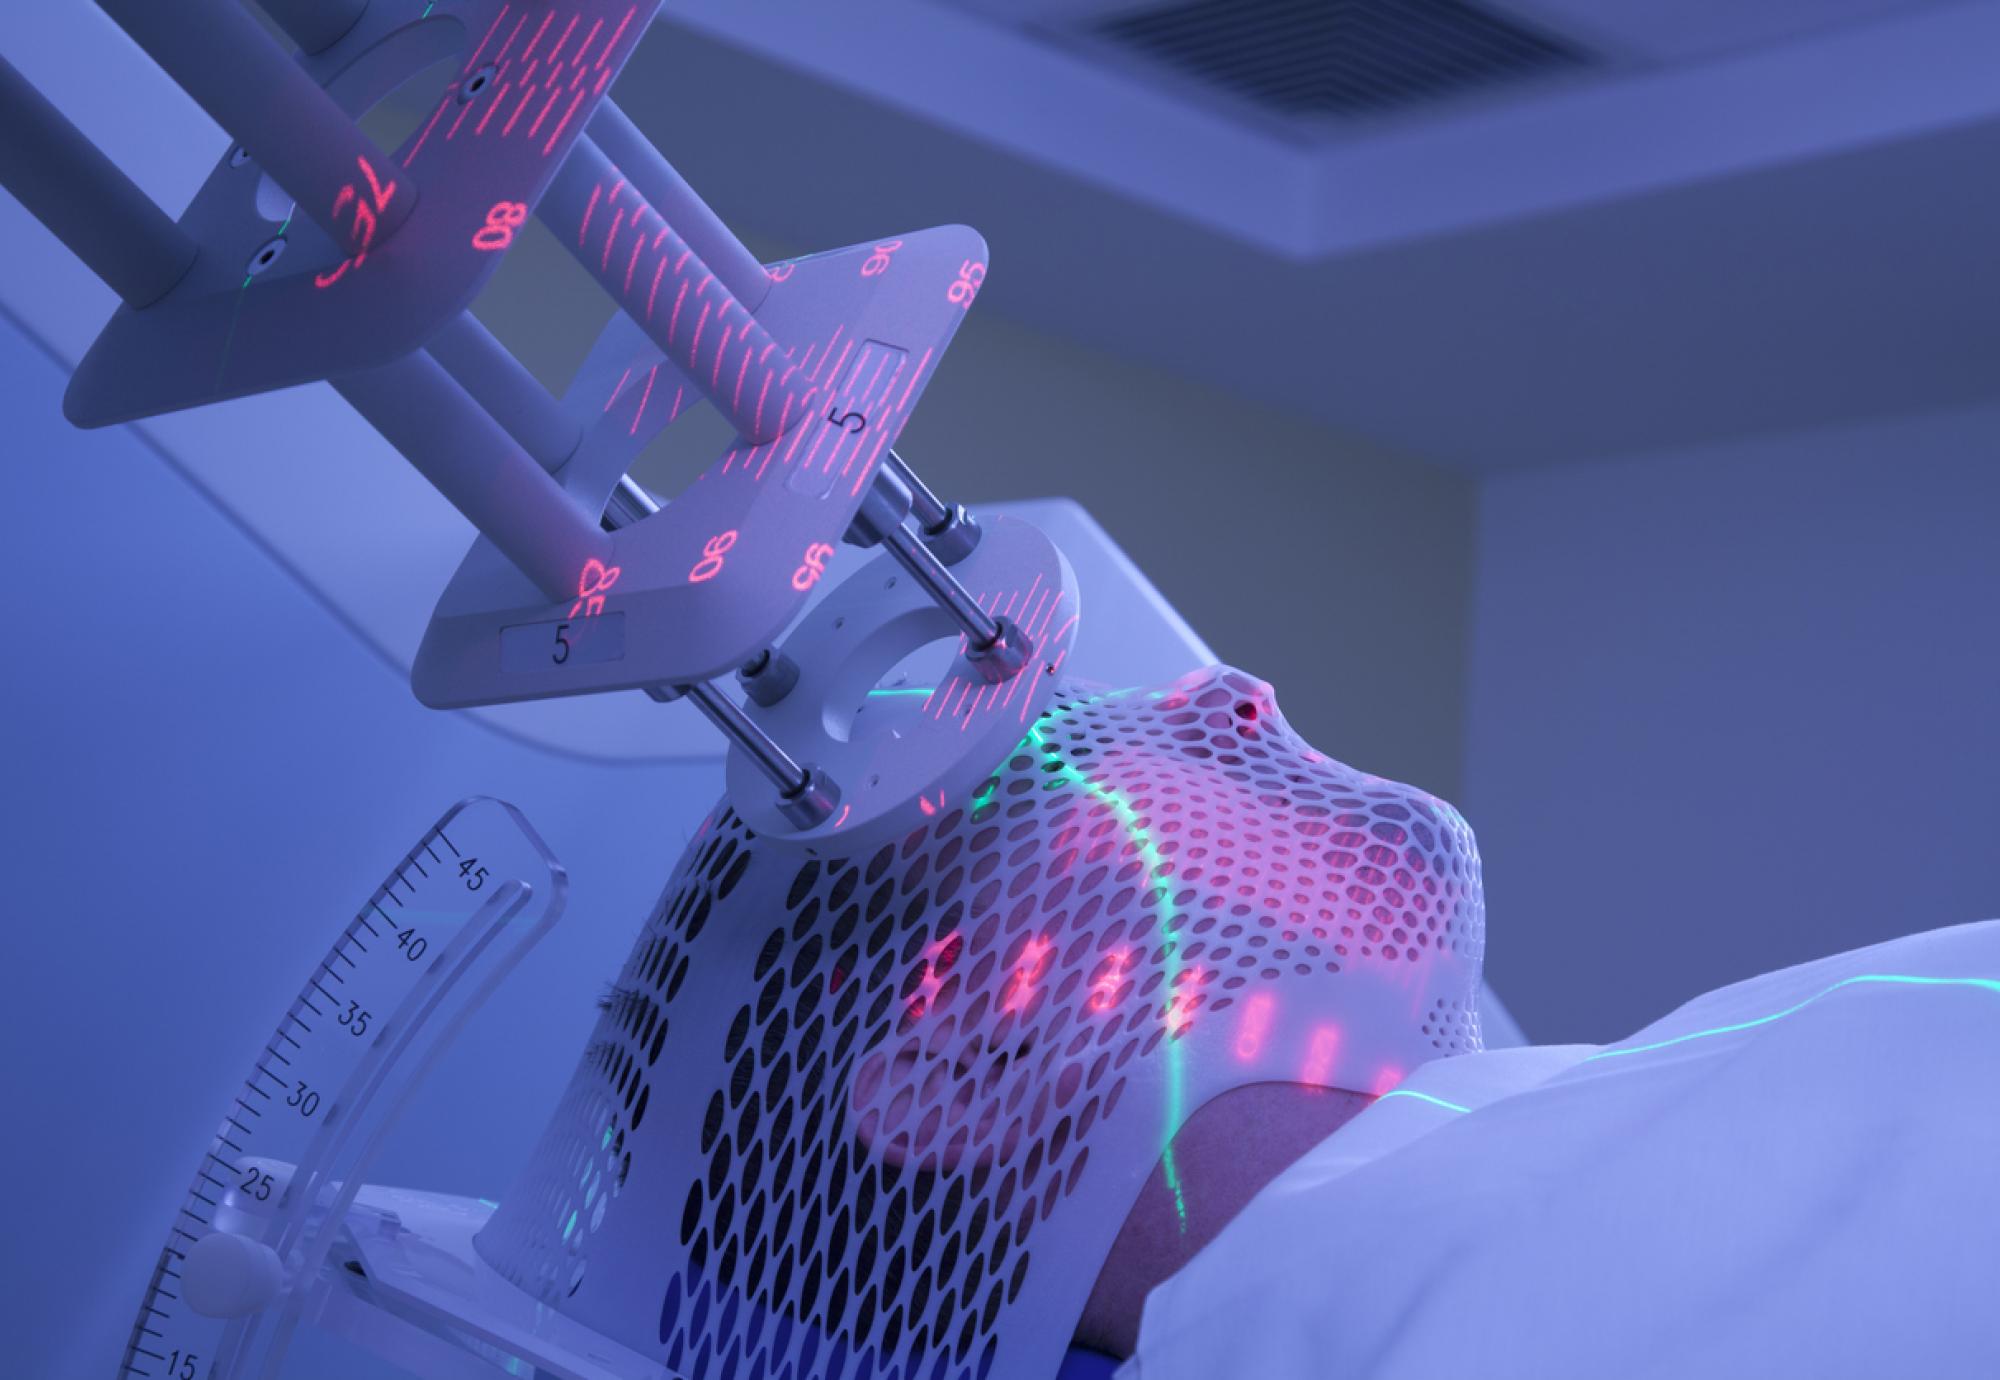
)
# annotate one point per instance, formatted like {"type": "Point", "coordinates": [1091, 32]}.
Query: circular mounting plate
{"type": "Point", "coordinates": [888, 705]}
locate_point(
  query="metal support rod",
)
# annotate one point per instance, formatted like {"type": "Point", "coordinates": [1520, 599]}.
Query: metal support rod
{"type": "Point", "coordinates": [67, 184]}
{"type": "Point", "coordinates": [628, 503]}
{"type": "Point", "coordinates": [657, 180]}
{"type": "Point", "coordinates": [315, 25]}
{"type": "Point", "coordinates": [528, 412]}
{"type": "Point", "coordinates": [981, 630]}
{"type": "Point", "coordinates": [929, 509]}
{"type": "Point", "coordinates": [787, 775]}
{"type": "Point", "coordinates": [453, 443]}
{"type": "Point", "coordinates": [250, 86]}
{"type": "Point", "coordinates": [673, 295]}
{"type": "Point", "coordinates": [806, 795]}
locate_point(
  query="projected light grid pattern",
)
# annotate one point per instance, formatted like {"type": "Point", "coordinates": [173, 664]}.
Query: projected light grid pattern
{"type": "Point", "coordinates": [909, 1093]}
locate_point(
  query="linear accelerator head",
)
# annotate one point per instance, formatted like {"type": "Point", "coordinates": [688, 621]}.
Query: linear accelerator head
{"type": "Point", "coordinates": [884, 1115]}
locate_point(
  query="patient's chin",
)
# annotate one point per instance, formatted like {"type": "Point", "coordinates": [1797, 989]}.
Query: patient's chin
{"type": "Point", "coordinates": [1229, 1149]}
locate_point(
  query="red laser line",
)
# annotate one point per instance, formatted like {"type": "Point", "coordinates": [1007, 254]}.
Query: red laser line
{"type": "Point", "coordinates": [888, 430]}
{"type": "Point", "coordinates": [827, 354]}
{"type": "Point", "coordinates": [771, 449]}
{"type": "Point", "coordinates": [638, 244]}
{"type": "Point", "coordinates": [556, 51]}
{"type": "Point", "coordinates": [721, 346]}
{"type": "Point", "coordinates": [547, 19]}
{"type": "Point", "coordinates": [654, 291]}
{"type": "Point", "coordinates": [555, 94]}
{"type": "Point", "coordinates": [604, 262]}
{"type": "Point", "coordinates": [845, 351]}
{"type": "Point", "coordinates": [694, 346]}
{"type": "Point", "coordinates": [492, 108]}
{"type": "Point", "coordinates": [921, 364]}
{"type": "Point", "coordinates": [561, 125]}
{"type": "Point", "coordinates": [469, 62]}
{"type": "Point", "coordinates": [674, 321]}
{"type": "Point", "coordinates": [1016, 682]}
{"type": "Point", "coordinates": [438, 115]}
{"type": "Point", "coordinates": [619, 389]}
{"type": "Point", "coordinates": [990, 698]}
{"type": "Point", "coordinates": [650, 376]}
{"type": "Point", "coordinates": [959, 701]}
{"type": "Point", "coordinates": [588, 39]}
{"type": "Point", "coordinates": [794, 448]}
{"type": "Point", "coordinates": [501, 56]}
{"type": "Point", "coordinates": [610, 44]}
{"type": "Point", "coordinates": [508, 128]}
{"type": "Point", "coordinates": [757, 419]}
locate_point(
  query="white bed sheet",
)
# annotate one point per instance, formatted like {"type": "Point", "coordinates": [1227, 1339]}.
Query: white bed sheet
{"type": "Point", "coordinates": [1798, 1175]}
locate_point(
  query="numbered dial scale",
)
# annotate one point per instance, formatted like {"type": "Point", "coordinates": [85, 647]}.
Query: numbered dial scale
{"type": "Point", "coordinates": [242, 1262]}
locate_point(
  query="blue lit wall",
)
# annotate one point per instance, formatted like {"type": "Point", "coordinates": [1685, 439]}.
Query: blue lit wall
{"type": "Point", "coordinates": [205, 773]}
{"type": "Point", "coordinates": [1733, 708]}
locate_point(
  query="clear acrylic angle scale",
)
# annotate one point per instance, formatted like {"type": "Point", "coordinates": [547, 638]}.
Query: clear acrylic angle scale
{"type": "Point", "coordinates": [242, 1265]}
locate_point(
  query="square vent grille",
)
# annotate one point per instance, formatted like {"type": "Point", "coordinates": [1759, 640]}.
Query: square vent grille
{"type": "Point", "coordinates": [1340, 58]}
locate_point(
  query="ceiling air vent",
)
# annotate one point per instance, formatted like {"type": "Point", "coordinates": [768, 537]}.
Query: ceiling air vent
{"type": "Point", "coordinates": [1336, 58]}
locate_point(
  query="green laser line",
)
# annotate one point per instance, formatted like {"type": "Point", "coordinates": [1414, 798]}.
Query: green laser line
{"type": "Point", "coordinates": [1149, 856]}
{"type": "Point", "coordinates": [1899, 979]}
{"type": "Point", "coordinates": [229, 340]}
{"type": "Point", "coordinates": [1989, 984]}
{"type": "Point", "coordinates": [1422, 1097]}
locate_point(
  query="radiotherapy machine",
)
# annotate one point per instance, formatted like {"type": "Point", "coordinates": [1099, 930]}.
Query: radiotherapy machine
{"type": "Point", "coordinates": [830, 910]}
{"type": "Point", "coordinates": [980, 918]}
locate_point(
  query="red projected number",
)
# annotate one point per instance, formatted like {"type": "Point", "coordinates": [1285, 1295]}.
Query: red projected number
{"type": "Point", "coordinates": [1104, 991]}
{"type": "Point", "coordinates": [965, 286]}
{"type": "Point", "coordinates": [1034, 958]}
{"type": "Point", "coordinates": [807, 575]}
{"type": "Point", "coordinates": [366, 209]}
{"type": "Point", "coordinates": [501, 222]}
{"type": "Point", "coordinates": [590, 586]}
{"type": "Point", "coordinates": [712, 552]}
{"type": "Point", "coordinates": [877, 263]}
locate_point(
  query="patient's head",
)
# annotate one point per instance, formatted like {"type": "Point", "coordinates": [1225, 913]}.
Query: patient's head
{"type": "Point", "coordinates": [932, 1107]}
{"type": "Point", "coordinates": [1181, 892]}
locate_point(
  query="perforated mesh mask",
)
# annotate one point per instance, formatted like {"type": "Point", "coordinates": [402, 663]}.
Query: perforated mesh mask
{"type": "Point", "coordinates": [884, 1116]}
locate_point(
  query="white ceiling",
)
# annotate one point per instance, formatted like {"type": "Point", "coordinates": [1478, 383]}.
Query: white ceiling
{"type": "Point", "coordinates": [1759, 216]}
{"type": "Point", "coordinates": [1633, 30]}
{"type": "Point", "coordinates": [1681, 30]}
